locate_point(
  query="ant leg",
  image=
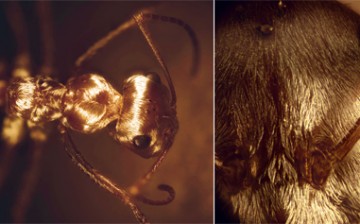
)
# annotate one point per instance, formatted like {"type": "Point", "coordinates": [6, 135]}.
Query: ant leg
{"type": "Point", "coordinates": [37, 132]}
{"type": "Point", "coordinates": [18, 27]}
{"type": "Point", "coordinates": [30, 176]}
{"type": "Point", "coordinates": [98, 178]}
{"type": "Point", "coordinates": [9, 144]}
{"type": "Point", "coordinates": [13, 129]}
{"type": "Point", "coordinates": [3, 83]}
{"type": "Point", "coordinates": [46, 31]}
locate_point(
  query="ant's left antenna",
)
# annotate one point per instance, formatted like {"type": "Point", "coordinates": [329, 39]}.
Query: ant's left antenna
{"type": "Point", "coordinates": [101, 180]}
{"type": "Point", "coordinates": [104, 41]}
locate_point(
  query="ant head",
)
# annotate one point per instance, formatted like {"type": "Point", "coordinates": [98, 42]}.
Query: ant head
{"type": "Point", "coordinates": [148, 121]}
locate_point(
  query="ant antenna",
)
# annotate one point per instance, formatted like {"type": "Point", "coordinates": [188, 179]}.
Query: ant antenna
{"type": "Point", "coordinates": [134, 189]}
{"type": "Point", "coordinates": [128, 24]}
{"type": "Point", "coordinates": [187, 28]}
{"type": "Point", "coordinates": [162, 187]}
{"type": "Point", "coordinates": [103, 41]}
{"type": "Point", "coordinates": [101, 180]}
{"type": "Point", "coordinates": [139, 20]}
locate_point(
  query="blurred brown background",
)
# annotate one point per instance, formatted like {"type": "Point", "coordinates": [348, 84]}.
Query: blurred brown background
{"type": "Point", "coordinates": [64, 193]}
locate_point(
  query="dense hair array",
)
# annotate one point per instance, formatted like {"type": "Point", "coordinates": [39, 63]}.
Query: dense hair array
{"type": "Point", "coordinates": [287, 94]}
{"type": "Point", "coordinates": [87, 103]}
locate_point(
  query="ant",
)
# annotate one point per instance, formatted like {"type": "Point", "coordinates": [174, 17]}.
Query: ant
{"type": "Point", "coordinates": [145, 112]}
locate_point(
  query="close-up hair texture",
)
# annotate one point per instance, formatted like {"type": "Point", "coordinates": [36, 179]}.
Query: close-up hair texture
{"type": "Point", "coordinates": [287, 84]}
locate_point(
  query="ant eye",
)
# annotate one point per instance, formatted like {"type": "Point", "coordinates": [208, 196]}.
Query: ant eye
{"type": "Point", "coordinates": [154, 77]}
{"type": "Point", "coordinates": [142, 141]}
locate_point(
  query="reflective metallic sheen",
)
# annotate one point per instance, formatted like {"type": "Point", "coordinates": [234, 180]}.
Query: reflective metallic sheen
{"type": "Point", "coordinates": [146, 111]}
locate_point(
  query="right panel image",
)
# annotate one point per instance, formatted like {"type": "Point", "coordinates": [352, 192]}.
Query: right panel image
{"type": "Point", "coordinates": [287, 114]}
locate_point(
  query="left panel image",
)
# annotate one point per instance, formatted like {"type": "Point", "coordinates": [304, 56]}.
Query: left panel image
{"type": "Point", "coordinates": [106, 112]}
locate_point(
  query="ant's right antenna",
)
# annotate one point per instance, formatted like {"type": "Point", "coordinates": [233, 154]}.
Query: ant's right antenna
{"type": "Point", "coordinates": [128, 24]}
{"type": "Point", "coordinates": [139, 18]}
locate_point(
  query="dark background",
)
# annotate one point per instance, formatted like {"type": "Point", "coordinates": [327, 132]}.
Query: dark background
{"type": "Point", "coordinates": [63, 192]}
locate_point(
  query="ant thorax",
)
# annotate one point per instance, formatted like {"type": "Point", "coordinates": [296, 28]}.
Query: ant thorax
{"type": "Point", "coordinates": [87, 103]}
{"type": "Point", "coordinates": [90, 103]}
